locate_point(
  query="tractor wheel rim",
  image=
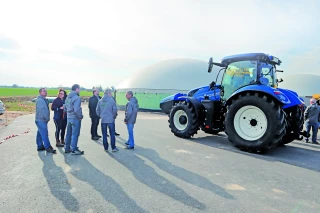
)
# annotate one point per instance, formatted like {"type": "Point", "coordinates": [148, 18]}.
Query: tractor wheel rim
{"type": "Point", "coordinates": [250, 123]}
{"type": "Point", "coordinates": [177, 117]}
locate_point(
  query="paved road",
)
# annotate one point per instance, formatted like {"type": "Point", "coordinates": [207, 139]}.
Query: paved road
{"type": "Point", "coordinates": [163, 174]}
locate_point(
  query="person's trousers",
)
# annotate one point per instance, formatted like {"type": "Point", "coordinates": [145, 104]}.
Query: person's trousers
{"type": "Point", "coordinates": [111, 127]}
{"type": "Point", "coordinates": [130, 132]}
{"type": "Point", "coordinates": [63, 129]}
{"type": "Point", "coordinates": [42, 135]}
{"type": "Point", "coordinates": [73, 132]}
{"type": "Point", "coordinates": [314, 128]}
{"type": "Point", "coordinates": [94, 126]}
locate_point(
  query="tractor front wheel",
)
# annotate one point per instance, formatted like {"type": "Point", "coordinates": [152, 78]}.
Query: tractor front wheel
{"type": "Point", "coordinates": [183, 120]}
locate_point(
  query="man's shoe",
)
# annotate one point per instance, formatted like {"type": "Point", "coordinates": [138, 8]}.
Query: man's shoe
{"type": "Point", "coordinates": [115, 149]}
{"type": "Point", "coordinates": [106, 150]}
{"type": "Point", "coordinates": [99, 136]}
{"type": "Point", "coordinates": [41, 149]}
{"type": "Point", "coordinates": [94, 138]}
{"type": "Point", "coordinates": [315, 142]}
{"type": "Point", "coordinates": [62, 142]}
{"type": "Point", "coordinates": [59, 145]}
{"type": "Point", "coordinates": [67, 151]}
{"type": "Point", "coordinates": [51, 150]}
{"type": "Point", "coordinates": [126, 143]}
{"type": "Point", "coordinates": [117, 134]}
{"type": "Point", "coordinates": [129, 147]}
{"type": "Point", "coordinates": [77, 152]}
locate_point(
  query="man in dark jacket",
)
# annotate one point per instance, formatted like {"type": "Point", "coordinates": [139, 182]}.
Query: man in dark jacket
{"type": "Point", "coordinates": [42, 118]}
{"type": "Point", "coordinates": [107, 111]}
{"type": "Point", "coordinates": [312, 117]}
{"type": "Point", "coordinates": [131, 112]}
{"type": "Point", "coordinates": [74, 117]}
{"type": "Point", "coordinates": [93, 102]}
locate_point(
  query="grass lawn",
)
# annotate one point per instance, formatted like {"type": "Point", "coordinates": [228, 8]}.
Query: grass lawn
{"type": "Point", "coordinates": [20, 106]}
{"type": "Point", "coordinates": [12, 92]}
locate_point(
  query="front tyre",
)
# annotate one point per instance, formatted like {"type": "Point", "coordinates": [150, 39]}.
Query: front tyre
{"type": "Point", "coordinates": [254, 122]}
{"type": "Point", "coordinates": [183, 120]}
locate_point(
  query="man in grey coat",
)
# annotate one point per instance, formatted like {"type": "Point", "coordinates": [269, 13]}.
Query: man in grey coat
{"type": "Point", "coordinates": [74, 117]}
{"type": "Point", "coordinates": [107, 111]}
{"type": "Point", "coordinates": [42, 118]}
{"type": "Point", "coordinates": [312, 118]}
{"type": "Point", "coordinates": [131, 112]}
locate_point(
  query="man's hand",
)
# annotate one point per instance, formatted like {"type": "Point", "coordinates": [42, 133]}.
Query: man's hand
{"type": "Point", "coordinates": [62, 107]}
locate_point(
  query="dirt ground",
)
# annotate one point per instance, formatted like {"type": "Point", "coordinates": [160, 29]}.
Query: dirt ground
{"type": "Point", "coordinates": [9, 116]}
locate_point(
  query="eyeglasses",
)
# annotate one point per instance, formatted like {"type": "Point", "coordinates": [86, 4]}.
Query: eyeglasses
{"type": "Point", "coordinates": [61, 93]}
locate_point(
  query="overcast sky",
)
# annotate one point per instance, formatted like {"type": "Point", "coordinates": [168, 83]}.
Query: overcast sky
{"type": "Point", "coordinates": [52, 43]}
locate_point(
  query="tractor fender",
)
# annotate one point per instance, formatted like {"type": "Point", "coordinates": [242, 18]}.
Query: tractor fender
{"type": "Point", "coordinates": [167, 103]}
{"type": "Point", "coordinates": [293, 97]}
{"type": "Point", "coordinates": [195, 103]}
{"type": "Point", "coordinates": [276, 93]}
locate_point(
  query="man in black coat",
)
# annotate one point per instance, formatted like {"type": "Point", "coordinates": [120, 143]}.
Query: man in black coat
{"type": "Point", "coordinates": [93, 101]}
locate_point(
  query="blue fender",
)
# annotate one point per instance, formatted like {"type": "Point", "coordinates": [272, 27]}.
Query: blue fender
{"type": "Point", "coordinates": [167, 103]}
{"type": "Point", "coordinates": [174, 97]}
{"type": "Point", "coordinates": [293, 97]}
{"type": "Point", "coordinates": [278, 95]}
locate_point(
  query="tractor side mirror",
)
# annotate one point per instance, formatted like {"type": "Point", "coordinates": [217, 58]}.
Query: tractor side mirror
{"type": "Point", "coordinates": [210, 65]}
{"type": "Point", "coordinates": [279, 81]}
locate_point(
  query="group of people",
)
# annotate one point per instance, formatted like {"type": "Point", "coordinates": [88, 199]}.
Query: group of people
{"type": "Point", "coordinates": [68, 116]}
{"type": "Point", "coordinates": [312, 119]}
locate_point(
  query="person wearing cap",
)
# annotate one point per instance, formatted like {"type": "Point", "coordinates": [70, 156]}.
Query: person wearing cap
{"type": "Point", "coordinates": [312, 118]}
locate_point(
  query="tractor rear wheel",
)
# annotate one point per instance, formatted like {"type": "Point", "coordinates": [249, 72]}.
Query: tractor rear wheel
{"type": "Point", "coordinates": [183, 120]}
{"type": "Point", "coordinates": [254, 122]}
{"type": "Point", "coordinates": [295, 122]}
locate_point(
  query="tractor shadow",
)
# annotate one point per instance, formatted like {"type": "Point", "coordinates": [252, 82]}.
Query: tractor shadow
{"type": "Point", "coordinates": [296, 153]}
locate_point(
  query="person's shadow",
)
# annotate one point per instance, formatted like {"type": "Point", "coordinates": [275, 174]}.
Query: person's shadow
{"type": "Point", "coordinates": [58, 182]}
{"type": "Point", "coordinates": [110, 190]}
{"type": "Point", "coordinates": [181, 173]}
{"type": "Point", "coordinates": [148, 176]}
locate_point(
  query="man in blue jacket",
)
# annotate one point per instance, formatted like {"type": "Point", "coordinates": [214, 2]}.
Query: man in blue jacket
{"type": "Point", "coordinates": [107, 111]}
{"type": "Point", "coordinates": [74, 117]}
{"type": "Point", "coordinates": [131, 112]}
{"type": "Point", "coordinates": [42, 118]}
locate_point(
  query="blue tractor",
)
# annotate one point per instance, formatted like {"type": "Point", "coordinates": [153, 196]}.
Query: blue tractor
{"type": "Point", "coordinates": [247, 104]}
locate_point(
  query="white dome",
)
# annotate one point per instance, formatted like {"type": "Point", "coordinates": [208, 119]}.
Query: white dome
{"type": "Point", "coordinates": [180, 74]}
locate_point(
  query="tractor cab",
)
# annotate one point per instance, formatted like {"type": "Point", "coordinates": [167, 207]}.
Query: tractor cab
{"type": "Point", "coordinates": [246, 69]}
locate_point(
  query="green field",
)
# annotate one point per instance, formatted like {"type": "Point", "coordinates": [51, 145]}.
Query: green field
{"type": "Point", "coordinates": [13, 96]}
{"type": "Point", "coordinates": [13, 92]}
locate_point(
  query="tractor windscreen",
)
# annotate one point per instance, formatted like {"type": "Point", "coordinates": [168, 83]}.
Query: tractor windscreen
{"type": "Point", "coordinates": [238, 74]}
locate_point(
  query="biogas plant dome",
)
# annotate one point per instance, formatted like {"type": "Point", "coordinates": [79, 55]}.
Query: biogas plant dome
{"type": "Point", "coordinates": [178, 74]}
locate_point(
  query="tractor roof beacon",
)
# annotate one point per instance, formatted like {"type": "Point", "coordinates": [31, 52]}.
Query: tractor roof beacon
{"type": "Point", "coordinates": [247, 104]}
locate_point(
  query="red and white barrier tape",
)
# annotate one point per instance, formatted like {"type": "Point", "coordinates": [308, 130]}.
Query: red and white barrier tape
{"type": "Point", "coordinates": [14, 135]}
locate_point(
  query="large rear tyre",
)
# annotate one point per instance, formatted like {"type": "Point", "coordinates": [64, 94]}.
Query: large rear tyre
{"type": "Point", "coordinates": [295, 122]}
{"type": "Point", "coordinates": [254, 122]}
{"type": "Point", "coordinates": [183, 120]}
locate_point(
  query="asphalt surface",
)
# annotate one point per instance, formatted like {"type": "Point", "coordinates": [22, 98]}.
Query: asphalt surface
{"type": "Point", "coordinates": [163, 174]}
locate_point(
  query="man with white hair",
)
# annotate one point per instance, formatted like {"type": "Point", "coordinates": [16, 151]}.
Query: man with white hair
{"type": "Point", "coordinates": [312, 118]}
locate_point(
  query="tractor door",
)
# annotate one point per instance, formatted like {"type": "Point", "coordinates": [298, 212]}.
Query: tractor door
{"type": "Point", "coordinates": [237, 75]}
